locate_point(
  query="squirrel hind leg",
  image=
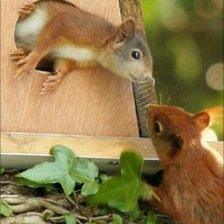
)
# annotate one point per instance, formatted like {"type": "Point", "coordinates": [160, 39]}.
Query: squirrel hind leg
{"type": "Point", "coordinates": [61, 69]}
{"type": "Point", "coordinates": [25, 10]}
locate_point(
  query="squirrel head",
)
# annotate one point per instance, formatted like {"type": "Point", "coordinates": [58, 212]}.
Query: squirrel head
{"type": "Point", "coordinates": [174, 131]}
{"type": "Point", "coordinates": [129, 53]}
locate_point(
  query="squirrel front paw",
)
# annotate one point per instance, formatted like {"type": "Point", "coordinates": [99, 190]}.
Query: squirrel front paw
{"type": "Point", "coordinates": [26, 65]}
{"type": "Point", "coordinates": [18, 54]}
{"type": "Point", "coordinates": [51, 82]}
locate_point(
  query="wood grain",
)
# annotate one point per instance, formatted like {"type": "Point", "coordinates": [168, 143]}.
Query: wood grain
{"type": "Point", "coordinates": [104, 147]}
{"type": "Point", "coordinates": [90, 102]}
{"type": "Point", "coordinates": [144, 93]}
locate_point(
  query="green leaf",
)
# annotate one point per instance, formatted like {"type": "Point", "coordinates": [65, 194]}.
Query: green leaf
{"type": "Point", "coordinates": [2, 170]}
{"type": "Point", "coordinates": [54, 172]}
{"type": "Point", "coordinates": [146, 191]}
{"type": "Point", "coordinates": [117, 219]}
{"type": "Point", "coordinates": [90, 188]}
{"type": "Point", "coordinates": [5, 209]}
{"type": "Point", "coordinates": [151, 219]}
{"type": "Point", "coordinates": [124, 191]}
{"type": "Point", "coordinates": [69, 219]}
{"type": "Point", "coordinates": [131, 164]}
{"type": "Point", "coordinates": [84, 170]}
{"type": "Point", "coordinates": [118, 192]}
{"type": "Point", "coordinates": [66, 170]}
{"type": "Point", "coordinates": [135, 214]}
{"type": "Point", "coordinates": [104, 177]}
{"type": "Point", "coordinates": [30, 183]}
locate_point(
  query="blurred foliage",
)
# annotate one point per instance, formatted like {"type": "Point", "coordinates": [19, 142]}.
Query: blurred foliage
{"type": "Point", "coordinates": [186, 39]}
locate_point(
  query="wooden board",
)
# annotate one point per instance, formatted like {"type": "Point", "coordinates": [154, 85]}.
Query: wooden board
{"type": "Point", "coordinates": [105, 147]}
{"type": "Point", "coordinates": [92, 103]}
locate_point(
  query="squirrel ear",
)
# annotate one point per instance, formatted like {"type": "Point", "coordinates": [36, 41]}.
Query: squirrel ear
{"type": "Point", "coordinates": [208, 117]}
{"type": "Point", "coordinates": [201, 120]}
{"type": "Point", "coordinates": [125, 31]}
{"type": "Point", "coordinates": [140, 32]}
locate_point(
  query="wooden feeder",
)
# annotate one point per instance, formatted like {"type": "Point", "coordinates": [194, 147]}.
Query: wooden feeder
{"type": "Point", "coordinates": [94, 112]}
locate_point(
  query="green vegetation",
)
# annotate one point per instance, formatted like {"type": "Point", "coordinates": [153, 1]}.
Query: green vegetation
{"type": "Point", "coordinates": [66, 170]}
{"type": "Point", "coordinates": [123, 192]}
{"type": "Point", "coordinates": [72, 190]}
{"type": "Point", "coordinates": [5, 209]}
{"type": "Point", "coordinates": [186, 40]}
{"type": "Point", "coordinates": [120, 192]}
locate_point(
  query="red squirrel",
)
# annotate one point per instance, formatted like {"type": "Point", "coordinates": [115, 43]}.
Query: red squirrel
{"type": "Point", "coordinates": [191, 185]}
{"type": "Point", "coordinates": [74, 39]}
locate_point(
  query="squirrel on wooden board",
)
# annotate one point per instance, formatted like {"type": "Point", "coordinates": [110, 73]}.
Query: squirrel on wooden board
{"type": "Point", "coordinates": [77, 39]}
{"type": "Point", "coordinates": [191, 184]}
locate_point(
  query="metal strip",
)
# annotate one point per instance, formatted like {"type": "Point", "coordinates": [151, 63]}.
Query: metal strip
{"type": "Point", "coordinates": [110, 166]}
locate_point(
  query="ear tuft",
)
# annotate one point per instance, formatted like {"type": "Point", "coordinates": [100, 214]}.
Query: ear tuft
{"type": "Point", "coordinates": [201, 120]}
{"type": "Point", "coordinates": [125, 31]}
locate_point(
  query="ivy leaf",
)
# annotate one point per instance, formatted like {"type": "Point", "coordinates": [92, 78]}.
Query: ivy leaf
{"type": "Point", "coordinates": [117, 219]}
{"type": "Point", "coordinates": [146, 191]}
{"type": "Point", "coordinates": [30, 183]}
{"type": "Point", "coordinates": [5, 209]}
{"type": "Point", "coordinates": [69, 219]}
{"type": "Point", "coordinates": [122, 192]}
{"type": "Point", "coordinates": [54, 172]}
{"type": "Point", "coordinates": [131, 164]}
{"type": "Point", "coordinates": [104, 177]}
{"type": "Point", "coordinates": [135, 215]}
{"type": "Point", "coordinates": [151, 218]}
{"type": "Point", "coordinates": [118, 192]}
{"type": "Point", "coordinates": [2, 170]}
{"type": "Point", "coordinates": [66, 170]}
{"type": "Point", "coordinates": [84, 170]}
{"type": "Point", "coordinates": [90, 188]}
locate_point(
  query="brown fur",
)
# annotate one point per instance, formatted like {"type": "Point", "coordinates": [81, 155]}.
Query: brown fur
{"type": "Point", "coordinates": [192, 188]}
{"type": "Point", "coordinates": [69, 25]}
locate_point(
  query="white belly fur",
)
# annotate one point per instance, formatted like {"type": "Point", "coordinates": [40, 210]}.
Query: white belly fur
{"type": "Point", "coordinates": [71, 51]}
{"type": "Point", "coordinates": [28, 29]}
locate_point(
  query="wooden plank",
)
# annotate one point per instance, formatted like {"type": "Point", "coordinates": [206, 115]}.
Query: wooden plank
{"type": "Point", "coordinates": [83, 146]}
{"type": "Point", "coordinates": [92, 103]}
{"type": "Point", "coordinates": [144, 93]}
{"type": "Point", "coordinates": [38, 144]}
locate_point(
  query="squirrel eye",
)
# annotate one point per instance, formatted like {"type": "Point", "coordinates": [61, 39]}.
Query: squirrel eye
{"type": "Point", "coordinates": [158, 128]}
{"type": "Point", "coordinates": [136, 55]}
